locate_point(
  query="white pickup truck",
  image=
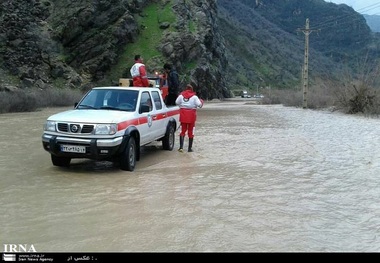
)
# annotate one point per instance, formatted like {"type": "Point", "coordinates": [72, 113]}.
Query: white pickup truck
{"type": "Point", "coordinates": [111, 123]}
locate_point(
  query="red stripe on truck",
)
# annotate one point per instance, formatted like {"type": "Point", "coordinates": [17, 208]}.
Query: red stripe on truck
{"type": "Point", "coordinates": [142, 120]}
{"type": "Point", "coordinates": [123, 125]}
{"type": "Point", "coordinates": [172, 113]}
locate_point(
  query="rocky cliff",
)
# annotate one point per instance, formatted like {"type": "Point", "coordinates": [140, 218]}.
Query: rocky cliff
{"type": "Point", "coordinates": [68, 43]}
{"type": "Point", "coordinates": [78, 44]}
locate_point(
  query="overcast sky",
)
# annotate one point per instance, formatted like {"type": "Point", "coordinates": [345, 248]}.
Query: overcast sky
{"type": "Point", "coordinates": [370, 7]}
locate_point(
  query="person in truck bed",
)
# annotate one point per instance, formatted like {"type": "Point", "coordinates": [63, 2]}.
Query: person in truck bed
{"type": "Point", "coordinates": [173, 84]}
{"type": "Point", "coordinates": [138, 73]}
{"type": "Point", "coordinates": [188, 103]}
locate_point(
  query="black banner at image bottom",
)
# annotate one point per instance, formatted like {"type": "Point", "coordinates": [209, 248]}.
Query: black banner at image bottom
{"type": "Point", "coordinates": [66, 257]}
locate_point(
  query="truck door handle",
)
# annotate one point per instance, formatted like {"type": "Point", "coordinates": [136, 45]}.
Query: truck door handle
{"type": "Point", "coordinates": [154, 117]}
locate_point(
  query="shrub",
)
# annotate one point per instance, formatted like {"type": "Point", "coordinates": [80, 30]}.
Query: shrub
{"type": "Point", "coordinates": [358, 99]}
{"type": "Point", "coordinates": [31, 100]}
{"type": "Point", "coordinates": [17, 101]}
{"type": "Point", "coordinates": [58, 97]}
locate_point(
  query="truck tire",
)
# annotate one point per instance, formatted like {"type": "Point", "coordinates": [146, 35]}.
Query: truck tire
{"type": "Point", "coordinates": [128, 158]}
{"type": "Point", "coordinates": [60, 161]}
{"type": "Point", "coordinates": [169, 138]}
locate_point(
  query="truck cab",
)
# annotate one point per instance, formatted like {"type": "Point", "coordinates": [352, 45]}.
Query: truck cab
{"type": "Point", "coordinates": [158, 81]}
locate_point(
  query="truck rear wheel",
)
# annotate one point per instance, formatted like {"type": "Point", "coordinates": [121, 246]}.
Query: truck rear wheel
{"type": "Point", "coordinates": [128, 158]}
{"type": "Point", "coordinates": [60, 161]}
{"type": "Point", "coordinates": [169, 139]}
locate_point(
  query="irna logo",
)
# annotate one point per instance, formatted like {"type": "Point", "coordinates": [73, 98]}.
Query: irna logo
{"type": "Point", "coordinates": [18, 248]}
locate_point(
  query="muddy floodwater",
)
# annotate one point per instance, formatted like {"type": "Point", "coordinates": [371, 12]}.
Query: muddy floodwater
{"type": "Point", "coordinates": [261, 178]}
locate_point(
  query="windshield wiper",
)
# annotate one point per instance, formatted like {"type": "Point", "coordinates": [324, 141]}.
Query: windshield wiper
{"type": "Point", "coordinates": [86, 107]}
{"type": "Point", "coordinates": [109, 108]}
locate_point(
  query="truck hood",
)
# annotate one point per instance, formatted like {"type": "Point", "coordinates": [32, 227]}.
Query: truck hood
{"type": "Point", "coordinates": [92, 116]}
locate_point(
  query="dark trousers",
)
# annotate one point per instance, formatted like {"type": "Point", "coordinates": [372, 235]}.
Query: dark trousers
{"type": "Point", "coordinates": [170, 99]}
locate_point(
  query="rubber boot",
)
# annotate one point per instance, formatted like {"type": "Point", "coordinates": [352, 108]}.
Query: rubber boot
{"type": "Point", "coordinates": [190, 145]}
{"type": "Point", "coordinates": [181, 139]}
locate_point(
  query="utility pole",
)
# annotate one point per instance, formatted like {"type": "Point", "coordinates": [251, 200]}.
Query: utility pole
{"type": "Point", "coordinates": [305, 74]}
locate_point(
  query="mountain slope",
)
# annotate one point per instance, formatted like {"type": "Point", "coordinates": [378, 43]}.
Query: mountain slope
{"type": "Point", "coordinates": [218, 46]}
{"type": "Point", "coordinates": [266, 43]}
{"type": "Point", "coordinates": [373, 22]}
{"type": "Point", "coordinates": [261, 53]}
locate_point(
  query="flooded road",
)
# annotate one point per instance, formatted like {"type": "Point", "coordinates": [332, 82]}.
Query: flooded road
{"type": "Point", "coordinates": [261, 178]}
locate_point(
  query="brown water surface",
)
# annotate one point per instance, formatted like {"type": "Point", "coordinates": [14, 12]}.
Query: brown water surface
{"type": "Point", "coordinates": [261, 178]}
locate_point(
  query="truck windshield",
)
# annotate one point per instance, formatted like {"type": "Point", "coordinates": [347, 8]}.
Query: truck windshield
{"type": "Point", "coordinates": [110, 99]}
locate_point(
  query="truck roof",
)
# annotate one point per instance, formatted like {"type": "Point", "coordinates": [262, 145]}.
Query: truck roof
{"type": "Point", "coordinates": [128, 88]}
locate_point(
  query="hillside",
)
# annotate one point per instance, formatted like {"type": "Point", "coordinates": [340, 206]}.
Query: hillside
{"type": "Point", "coordinates": [267, 48]}
{"type": "Point", "coordinates": [262, 53]}
{"type": "Point", "coordinates": [77, 44]}
{"type": "Point", "coordinates": [373, 22]}
{"type": "Point", "coordinates": [218, 46]}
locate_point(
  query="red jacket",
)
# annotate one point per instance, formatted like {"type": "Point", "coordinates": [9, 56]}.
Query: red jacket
{"type": "Point", "coordinates": [188, 103]}
{"type": "Point", "coordinates": [138, 72]}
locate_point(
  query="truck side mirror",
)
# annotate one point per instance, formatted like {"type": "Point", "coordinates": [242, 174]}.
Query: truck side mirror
{"type": "Point", "coordinates": [144, 108]}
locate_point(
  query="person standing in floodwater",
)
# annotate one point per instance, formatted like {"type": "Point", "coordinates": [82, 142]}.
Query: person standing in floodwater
{"type": "Point", "coordinates": [188, 103]}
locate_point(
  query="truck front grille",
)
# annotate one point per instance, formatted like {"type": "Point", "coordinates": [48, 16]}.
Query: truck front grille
{"type": "Point", "coordinates": [75, 128]}
{"type": "Point", "coordinates": [87, 128]}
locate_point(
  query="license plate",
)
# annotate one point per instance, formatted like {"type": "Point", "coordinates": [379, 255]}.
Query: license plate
{"type": "Point", "coordinates": [73, 149]}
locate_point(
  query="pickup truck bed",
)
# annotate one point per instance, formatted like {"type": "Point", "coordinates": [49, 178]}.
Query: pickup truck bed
{"type": "Point", "coordinates": [111, 123]}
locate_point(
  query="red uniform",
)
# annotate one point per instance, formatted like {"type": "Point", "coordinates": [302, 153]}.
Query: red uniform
{"type": "Point", "coordinates": [138, 72]}
{"type": "Point", "coordinates": [188, 102]}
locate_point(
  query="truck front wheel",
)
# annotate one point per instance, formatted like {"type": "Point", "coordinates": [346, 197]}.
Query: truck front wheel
{"type": "Point", "coordinates": [128, 158]}
{"type": "Point", "coordinates": [169, 139]}
{"type": "Point", "coordinates": [60, 161]}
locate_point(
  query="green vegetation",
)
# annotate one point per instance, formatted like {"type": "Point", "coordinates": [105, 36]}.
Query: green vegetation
{"type": "Point", "coordinates": [8, 78]}
{"type": "Point", "coordinates": [165, 13]}
{"type": "Point", "coordinates": [261, 55]}
{"type": "Point", "coordinates": [192, 27]}
{"type": "Point", "coordinates": [266, 55]}
{"type": "Point", "coordinates": [59, 83]}
{"type": "Point", "coordinates": [147, 42]}
{"type": "Point", "coordinates": [190, 65]}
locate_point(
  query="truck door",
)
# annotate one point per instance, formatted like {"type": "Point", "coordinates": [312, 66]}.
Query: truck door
{"type": "Point", "coordinates": [146, 119]}
{"type": "Point", "coordinates": [160, 115]}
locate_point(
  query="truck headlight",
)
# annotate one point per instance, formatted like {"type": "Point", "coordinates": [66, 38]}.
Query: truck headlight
{"type": "Point", "coordinates": [106, 129]}
{"type": "Point", "coordinates": [50, 126]}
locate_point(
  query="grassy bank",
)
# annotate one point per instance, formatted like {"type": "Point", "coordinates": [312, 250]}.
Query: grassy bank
{"type": "Point", "coordinates": [350, 97]}
{"type": "Point", "coordinates": [32, 100]}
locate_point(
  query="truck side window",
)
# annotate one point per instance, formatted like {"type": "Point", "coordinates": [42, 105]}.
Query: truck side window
{"type": "Point", "coordinates": [157, 100]}
{"type": "Point", "coordinates": [146, 100]}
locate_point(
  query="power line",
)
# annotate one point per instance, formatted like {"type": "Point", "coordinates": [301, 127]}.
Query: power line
{"type": "Point", "coordinates": [346, 17]}
{"type": "Point", "coordinates": [369, 8]}
{"type": "Point", "coordinates": [325, 24]}
{"type": "Point", "coordinates": [343, 20]}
